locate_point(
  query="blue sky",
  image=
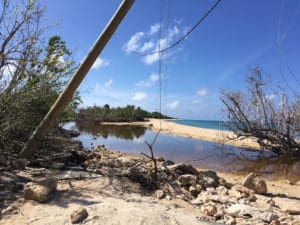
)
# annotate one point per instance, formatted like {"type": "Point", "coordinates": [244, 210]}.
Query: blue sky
{"type": "Point", "coordinates": [237, 36]}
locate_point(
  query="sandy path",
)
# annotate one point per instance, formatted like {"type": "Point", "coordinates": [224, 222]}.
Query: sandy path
{"type": "Point", "coordinates": [105, 205]}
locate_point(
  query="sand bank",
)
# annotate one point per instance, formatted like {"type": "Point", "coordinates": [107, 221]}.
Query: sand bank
{"type": "Point", "coordinates": [170, 127]}
{"type": "Point", "coordinates": [219, 136]}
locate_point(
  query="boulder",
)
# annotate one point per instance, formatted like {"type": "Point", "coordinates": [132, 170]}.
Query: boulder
{"type": "Point", "coordinates": [40, 191]}
{"type": "Point", "coordinates": [183, 168]}
{"type": "Point", "coordinates": [187, 180]}
{"type": "Point", "coordinates": [259, 186]}
{"type": "Point", "coordinates": [79, 215]}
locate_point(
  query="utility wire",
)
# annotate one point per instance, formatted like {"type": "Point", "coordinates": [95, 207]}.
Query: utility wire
{"type": "Point", "coordinates": [185, 35]}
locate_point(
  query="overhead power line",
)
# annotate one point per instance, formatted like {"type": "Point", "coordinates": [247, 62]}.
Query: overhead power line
{"type": "Point", "coordinates": [186, 34]}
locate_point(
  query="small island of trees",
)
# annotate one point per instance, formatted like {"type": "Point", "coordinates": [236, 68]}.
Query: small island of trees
{"type": "Point", "coordinates": [130, 113]}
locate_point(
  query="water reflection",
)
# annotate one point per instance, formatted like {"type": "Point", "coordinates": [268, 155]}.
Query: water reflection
{"type": "Point", "coordinates": [124, 132]}
{"type": "Point", "coordinates": [180, 149]}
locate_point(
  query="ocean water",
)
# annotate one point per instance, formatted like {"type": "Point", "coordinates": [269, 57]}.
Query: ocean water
{"type": "Point", "coordinates": [208, 124]}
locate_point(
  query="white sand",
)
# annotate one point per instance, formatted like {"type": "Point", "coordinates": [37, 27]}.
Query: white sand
{"type": "Point", "coordinates": [105, 205]}
{"type": "Point", "coordinates": [219, 136]}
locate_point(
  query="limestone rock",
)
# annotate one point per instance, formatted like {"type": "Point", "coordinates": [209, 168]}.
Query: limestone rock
{"type": "Point", "coordinates": [209, 210]}
{"type": "Point", "coordinates": [266, 216]}
{"type": "Point", "coordinates": [290, 206]}
{"type": "Point", "coordinates": [229, 220]}
{"type": "Point", "coordinates": [159, 194]}
{"type": "Point", "coordinates": [240, 210]}
{"type": "Point", "coordinates": [79, 215]}
{"type": "Point", "coordinates": [259, 186]}
{"type": "Point", "coordinates": [239, 192]}
{"type": "Point", "coordinates": [40, 191]}
{"type": "Point", "coordinates": [187, 180]}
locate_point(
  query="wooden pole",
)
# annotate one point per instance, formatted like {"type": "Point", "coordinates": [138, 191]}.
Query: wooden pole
{"type": "Point", "coordinates": [66, 96]}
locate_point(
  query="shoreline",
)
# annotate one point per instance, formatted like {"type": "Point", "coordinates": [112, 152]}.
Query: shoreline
{"type": "Point", "coordinates": [170, 127]}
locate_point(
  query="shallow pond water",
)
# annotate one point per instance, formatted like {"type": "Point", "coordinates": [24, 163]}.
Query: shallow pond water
{"type": "Point", "coordinates": [131, 139]}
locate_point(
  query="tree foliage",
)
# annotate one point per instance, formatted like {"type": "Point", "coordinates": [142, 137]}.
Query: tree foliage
{"type": "Point", "coordinates": [126, 114]}
{"type": "Point", "coordinates": [31, 73]}
{"type": "Point", "coordinates": [269, 116]}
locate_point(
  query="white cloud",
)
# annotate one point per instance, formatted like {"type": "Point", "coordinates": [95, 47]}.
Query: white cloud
{"type": "Point", "coordinates": [147, 45]}
{"type": "Point", "coordinates": [133, 43]}
{"type": "Point", "coordinates": [108, 83]}
{"type": "Point", "coordinates": [104, 89]}
{"type": "Point", "coordinates": [154, 77]}
{"type": "Point", "coordinates": [154, 29]}
{"type": "Point", "coordinates": [100, 63]}
{"type": "Point", "coordinates": [144, 42]}
{"type": "Point", "coordinates": [173, 105]}
{"type": "Point", "coordinates": [202, 92]}
{"type": "Point", "coordinates": [149, 82]}
{"type": "Point", "coordinates": [139, 96]}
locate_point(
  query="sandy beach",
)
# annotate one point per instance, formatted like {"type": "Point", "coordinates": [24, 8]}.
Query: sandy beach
{"type": "Point", "coordinates": [219, 136]}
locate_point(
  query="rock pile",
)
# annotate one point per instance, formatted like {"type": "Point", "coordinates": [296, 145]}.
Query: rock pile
{"type": "Point", "coordinates": [218, 200]}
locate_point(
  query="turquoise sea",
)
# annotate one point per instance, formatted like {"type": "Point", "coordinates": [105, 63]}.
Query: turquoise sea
{"type": "Point", "coordinates": [208, 124]}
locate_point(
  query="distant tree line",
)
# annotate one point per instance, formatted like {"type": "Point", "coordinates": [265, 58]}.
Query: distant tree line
{"type": "Point", "coordinates": [130, 113]}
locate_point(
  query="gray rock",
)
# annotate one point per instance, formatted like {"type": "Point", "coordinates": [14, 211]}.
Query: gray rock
{"type": "Point", "coordinates": [18, 164]}
{"type": "Point", "coordinates": [259, 186]}
{"type": "Point", "coordinates": [40, 191]}
{"type": "Point", "coordinates": [183, 168]}
{"type": "Point", "coordinates": [79, 215]}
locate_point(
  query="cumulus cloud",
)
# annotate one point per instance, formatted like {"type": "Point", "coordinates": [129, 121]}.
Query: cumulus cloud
{"type": "Point", "coordinates": [139, 96]}
{"type": "Point", "coordinates": [99, 63]}
{"type": "Point", "coordinates": [134, 42]}
{"type": "Point", "coordinates": [146, 42]}
{"type": "Point", "coordinates": [202, 92]}
{"type": "Point", "coordinates": [154, 29]}
{"type": "Point", "coordinates": [173, 105]}
{"type": "Point", "coordinates": [154, 77]}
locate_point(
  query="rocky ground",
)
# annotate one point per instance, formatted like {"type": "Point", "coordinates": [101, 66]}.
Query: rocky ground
{"type": "Point", "coordinates": [106, 187]}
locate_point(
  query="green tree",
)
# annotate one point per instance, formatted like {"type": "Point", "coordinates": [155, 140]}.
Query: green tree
{"type": "Point", "coordinates": [31, 74]}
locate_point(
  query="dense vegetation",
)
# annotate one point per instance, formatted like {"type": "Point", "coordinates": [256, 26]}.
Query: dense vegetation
{"type": "Point", "coordinates": [119, 114]}
{"type": "Point", "coordinates": [32, 73]}
{"type": "Point", "coordinates": [270, 116]}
